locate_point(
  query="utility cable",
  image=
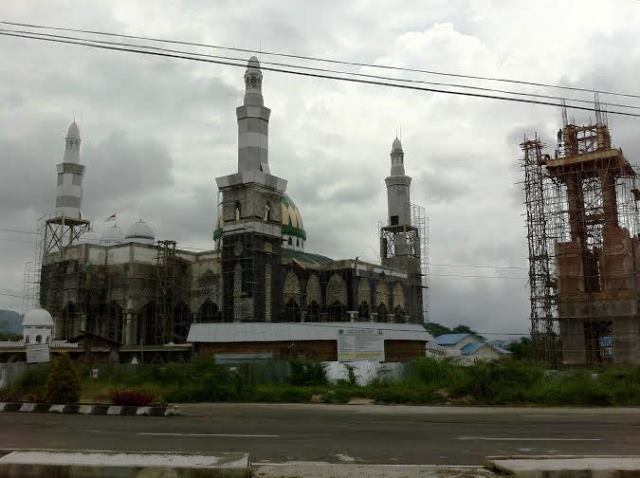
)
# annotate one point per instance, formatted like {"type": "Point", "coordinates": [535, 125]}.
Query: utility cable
{"type": "Point", "coordinates": [326, 60]}
{"type": "Point", "coordinates": [325, 70]}
{"type": "Point", "coordinates": [308, 74]}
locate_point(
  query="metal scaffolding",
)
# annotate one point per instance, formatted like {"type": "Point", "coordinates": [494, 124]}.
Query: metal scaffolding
{"type": "Point", "coordinates": [582, 231]}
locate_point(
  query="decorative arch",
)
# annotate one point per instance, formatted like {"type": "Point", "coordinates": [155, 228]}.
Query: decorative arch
{"type": "Point", "coordinates": [292, 288]}
{"type": "Point", "coordinates": [336, 291]}
{"type": "Point", "coordinates": [382, 293]}
{"type": "Point", "coordinates": [398, 295]}
{"type": "Point", "coordinates": [314, 291]}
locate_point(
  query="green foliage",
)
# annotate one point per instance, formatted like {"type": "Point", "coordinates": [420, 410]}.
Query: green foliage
{"type": "Point", "coordinates": [31, 386]}
{"type": "Point", "coordinates": [63, 385]}
{"type": "Point", "coordinates": [305, 372]}
{"type": "Point", "coordinates": [424, 381]}
{"type": "Point", "coordinates": [522, 349]}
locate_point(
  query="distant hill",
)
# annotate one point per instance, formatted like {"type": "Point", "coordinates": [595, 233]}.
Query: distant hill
{"type": "Point", "coordinates": [10, 322]}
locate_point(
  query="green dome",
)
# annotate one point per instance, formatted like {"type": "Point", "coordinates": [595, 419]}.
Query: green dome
{"type": "Point", "coordinates": [291, 219]}
{"type": "Point", "coordinates": [292, 224]}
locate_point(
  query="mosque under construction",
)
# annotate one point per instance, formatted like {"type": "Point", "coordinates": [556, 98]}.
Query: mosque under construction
{"type": "Point", "coordinates": [257, 293]}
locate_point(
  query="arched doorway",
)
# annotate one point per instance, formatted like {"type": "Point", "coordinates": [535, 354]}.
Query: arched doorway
{"type": "Point", "coordinates": [208, 312]}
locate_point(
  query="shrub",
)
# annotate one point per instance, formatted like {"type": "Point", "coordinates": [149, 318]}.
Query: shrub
{"type": "Point", "coordinates": [131, 397]}
{"type": "Point", "coordinates": [63, 385]}
{"type": "Point", "coordinates": [305, 373]}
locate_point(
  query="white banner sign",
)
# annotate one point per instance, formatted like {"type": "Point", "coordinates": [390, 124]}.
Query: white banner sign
{"type": "Point", "coordinates": [37, 353]}
{"type": "Point", "coordinates": [360, 344]}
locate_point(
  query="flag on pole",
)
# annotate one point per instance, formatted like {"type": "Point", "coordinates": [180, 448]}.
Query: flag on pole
{"type": "Point", "coordinates": [110, 218]}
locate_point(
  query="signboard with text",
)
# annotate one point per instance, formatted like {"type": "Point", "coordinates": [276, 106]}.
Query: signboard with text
{"type": "Point", "coordinates": [360, 344]}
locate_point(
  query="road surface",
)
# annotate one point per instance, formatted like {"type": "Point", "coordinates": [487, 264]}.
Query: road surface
{"type": "Point", "coordinates": [340, 434]}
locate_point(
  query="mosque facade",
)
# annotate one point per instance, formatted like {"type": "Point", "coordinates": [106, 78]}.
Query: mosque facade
{"type": "Point", "coordinates": [257, 291]}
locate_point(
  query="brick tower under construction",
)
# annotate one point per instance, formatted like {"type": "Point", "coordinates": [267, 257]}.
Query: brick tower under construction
{"type": "Point", "coordinates": [584, 248]}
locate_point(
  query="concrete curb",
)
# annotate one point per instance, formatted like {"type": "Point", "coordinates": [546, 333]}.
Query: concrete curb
{"type": "Point", "coordinates": [89, 409]}
{"type": "Point", "coordinates": [98, 464]}
{"type": "Point", "coordinates": [566, 466]}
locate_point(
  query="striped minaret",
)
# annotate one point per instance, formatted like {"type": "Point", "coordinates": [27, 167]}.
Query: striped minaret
{"type": "Point", "coordinates": [70, 173]}
{"type": "Point", "coordinates": [253, 123]}
{"type": "Point", "coordinates": [398, 189]}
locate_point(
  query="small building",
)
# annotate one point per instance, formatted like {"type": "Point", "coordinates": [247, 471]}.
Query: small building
{"type": "Point", "coordinates": [469, 347]}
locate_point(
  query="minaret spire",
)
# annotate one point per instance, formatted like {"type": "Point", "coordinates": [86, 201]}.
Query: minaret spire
{"type": "Point", "coordinates": [398, 188]}
{"type": "Point", "coordinates": [70, 174]}
{"type": "Point", "coordinates": [253, 123]}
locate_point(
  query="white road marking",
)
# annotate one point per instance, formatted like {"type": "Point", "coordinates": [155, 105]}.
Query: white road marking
{"type": "Point", "coordinates": [206, 435]}
{"type": "Point", "coordinates": [526, 439]}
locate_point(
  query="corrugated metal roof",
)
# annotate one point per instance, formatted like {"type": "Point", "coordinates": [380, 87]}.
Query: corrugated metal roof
{"type": "Point", "coordinates": [306, 257]}
{"type": "Point", "coordinates": [472, 348]}
{"type": "Point", "coordinates": [279, 332]}
{"type": "Point", "coordinates": [450, 339]}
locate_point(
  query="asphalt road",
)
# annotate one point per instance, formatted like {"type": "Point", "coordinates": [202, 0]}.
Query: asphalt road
{"type": "Point", "coordinates": [340, 434]}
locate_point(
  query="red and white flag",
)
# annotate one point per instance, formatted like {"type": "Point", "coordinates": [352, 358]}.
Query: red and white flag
{"type": "Point", "coordinates": [110, 218]}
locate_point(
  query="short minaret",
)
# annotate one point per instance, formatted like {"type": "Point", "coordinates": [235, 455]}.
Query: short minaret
{"type": "Point", "coordinates": [253, 123]}
{"type": "Point", "coordinates": [70, 173]}
{"type": "Point", "coordinates": [398, 189]}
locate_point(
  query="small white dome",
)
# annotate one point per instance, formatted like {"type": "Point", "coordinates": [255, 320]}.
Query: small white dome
{"type": "Point", "coordinates": [113, 235]}
{"type": "Point", "coordinates": [90, 237]}
{"type": "Point", "coordinates": [140, 232]}
{"type": "Point", "coordinates": [37, 318]}
{"type": "Point", "coordinates": [74, 131]}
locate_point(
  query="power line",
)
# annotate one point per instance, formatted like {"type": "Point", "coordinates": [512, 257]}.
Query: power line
{"type": "Point", "coordinates": [18, 231]}
{"type": "Point", "coordinates": [88, 43]}
{"type": "Point", "coordinates": [326, 60]}
{"type": "Point", "coordinates": [480, 266]}
{"type": "Point", "coordinates": [17, 240]}
{"type": "Point", "coordinates": [325, 70]}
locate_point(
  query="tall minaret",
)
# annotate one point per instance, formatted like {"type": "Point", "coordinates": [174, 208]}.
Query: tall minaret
{"type": "Point", "coordinates": [70, 173]}
{"type": "Point", "coordinates": [253, 123]}
{"type": "Point", "coordinates": [398, 189]}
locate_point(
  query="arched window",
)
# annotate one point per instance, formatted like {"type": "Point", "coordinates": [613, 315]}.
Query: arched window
{"type": "Point", "coordinates": [238, 211]}
{"type": "Point", "coordinates": [38, 339]}
{"type": "Point", "coordinates": [267, 212]}
{"type": "Point", "coordinates": [290, 241]}
{"type": "Point", "coordinates": [26, 339]}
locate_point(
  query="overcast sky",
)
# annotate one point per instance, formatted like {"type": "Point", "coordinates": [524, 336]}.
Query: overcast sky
{"type": "Point", "coordinates": [156, 131]}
